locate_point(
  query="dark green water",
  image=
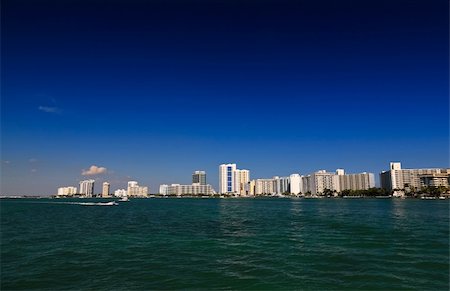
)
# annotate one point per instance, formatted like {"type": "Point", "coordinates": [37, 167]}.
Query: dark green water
{"type": "Point", "coordinates": [225, 244]}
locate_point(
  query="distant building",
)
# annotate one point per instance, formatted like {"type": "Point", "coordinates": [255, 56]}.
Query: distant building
{"type": "Point", "coordinates": [362, 181]}
{"type": "Point", "coordinates": [321, 180]}
{"type": "Point", "coordinates": [264, 186]}
{"type": "Point", "coordinates": [436, 179]}
{"type": "Point", "coordinates": [67, 191]}
{"type": "Point", "coordinates": [242, 178]}
{"type": "Point", "coordinates": [233, 180]}
{"type": "Point", "coordinates": [105, 189]}
{"type": "Point", "coordinates": [412, 179]}
{"type": "Point", "coordinates": [134, 190]}
{"type": "Point", "coordinates": [120, 193]}
{"type": "Point", "coordinates": [87, 188]}
{"type": "Point", "coordinates": [186, 190]}
{"type": "Point", "coordinates": [199, 177]}
{"type": "Point", "coordinates": [281, 185]}
{"type": "Point", "coordinates": [227, 179]}
{"type": "Point", "coordinates": [295, 184]}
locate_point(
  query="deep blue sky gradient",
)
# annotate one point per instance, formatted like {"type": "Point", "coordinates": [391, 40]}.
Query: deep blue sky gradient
{"type": "Point", "coordinates": [153, 90]}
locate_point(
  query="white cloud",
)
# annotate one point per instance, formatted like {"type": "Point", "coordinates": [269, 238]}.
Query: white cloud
{"type": "Point", "coordinates": [33, 170]}
{"type": "Point", "coordinates": [32, 160]}
{"type": "Point", "coordinates": [93, 170]}
{"type": "Point", "coordinates": [49, 109]}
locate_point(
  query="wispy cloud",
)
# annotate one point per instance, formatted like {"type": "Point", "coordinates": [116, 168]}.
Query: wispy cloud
{"type": "Point", "coordinates": [93, 170]}
{"type": "Point", "coordinates": [50, 109]}
{"type": "Point", "coordinates": [32, 160]}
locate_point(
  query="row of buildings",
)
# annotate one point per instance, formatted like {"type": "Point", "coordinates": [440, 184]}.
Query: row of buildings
{"type": "Point", "coordinates": [238, 182]}
{"type": "Point", "coordinates": [397, 178]}
{"type": "Point", "coordinates": [86, 189]}
{"type": "Point", "coordinates": [197, 188]}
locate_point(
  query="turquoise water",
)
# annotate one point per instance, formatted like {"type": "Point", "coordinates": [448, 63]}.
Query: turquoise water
{"type": "Point", "coordinates": [225, 244]}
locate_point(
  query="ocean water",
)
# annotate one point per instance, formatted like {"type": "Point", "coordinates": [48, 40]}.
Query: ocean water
{"type": "Point", "coordinates": [306, 244]}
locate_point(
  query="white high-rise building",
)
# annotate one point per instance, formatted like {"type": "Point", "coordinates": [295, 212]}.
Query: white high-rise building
{"type": "Point", "coordinates": [164, 189]}
{"type": "Point", "coordinates": [67, 191]}
{"type": "Point", "coordinates": [233, 180]}
{"type": "Point", "coordinates": [227, 179]}
{"type": "Point", "coordinates": [87, 188]}
{"type": "Point", "coordinates": [105, 189]}
{"type": "Point", "coordinates": [281, 185]}
{"type": "Point", "coordinates": [296, 185]}
{"type": "Point", "coordinates": [135, 190]}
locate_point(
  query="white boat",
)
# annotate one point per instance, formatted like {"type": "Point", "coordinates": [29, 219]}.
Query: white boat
{"type": "Point", "coordinates": [441, 198]}
{"type": "Point", "coordinates": [111, 203]}
{"type": "Point", "coordinates": [124, 199]}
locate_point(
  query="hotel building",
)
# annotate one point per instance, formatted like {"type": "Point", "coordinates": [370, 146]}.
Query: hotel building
{"type": "Point", "coordinates": [412, 179]}
{"type": "Point", "coordinates": [87, 188]}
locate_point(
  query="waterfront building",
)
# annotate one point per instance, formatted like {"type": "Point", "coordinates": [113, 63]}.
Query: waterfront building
{"type": "Point", "coordinates": [361, 181]}
{"type": "Point", "coordinates": [187, 190]}
{"type": "Point", "coordinates": [441, 179]}
{"type": "Point", "coordinates": [264, 186]}
{"type": "Point", "coordinates": [120, 193]}
{"type": "Point", "coordinates": [87, 188]}
{"type": "Point", "coordinates": [67, 191]}
{"type": "Point", "coordinates": [306, 183]}
{"type": "Point", "coordinates": [199, 177]}
{"type": "Point", "coordinates": [412, 179]}
{"type": "Point", "coordinates": [164, 189]}
{"type": "Point", "coordinates": [227, 178]}
{"type": "Point", "coordinates": [134, 190]}
{"type": "Point", "coordinates": [295, 183]}
{"type": "Point", "coordinates": [251, 188]}
{"type": "Point", "coordinates": [281, 185]}
{"type": "Point", "coordinates": [105, 189]}
{"type": "Point", "coordinates": [242, 178]}
{"type": "Point", "coordinates": [321, 180]}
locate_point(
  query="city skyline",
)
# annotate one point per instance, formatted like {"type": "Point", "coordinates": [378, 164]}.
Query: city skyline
{"type": "Point", "coordinates": [239, 182]}
{"type": "Point", "coordinates": [152, 91]}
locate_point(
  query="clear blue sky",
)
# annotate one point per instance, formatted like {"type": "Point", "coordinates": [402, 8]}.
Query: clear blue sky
{"type": "Point", "coordinates": [153, 90]}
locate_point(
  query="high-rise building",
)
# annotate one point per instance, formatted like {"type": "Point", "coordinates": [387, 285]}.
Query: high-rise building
{"type": "Point", "coordinates": [412, 179]}
{"type": "Point", "coordinates": [281, 185]}
{"type": "Point", "coordinates": [87, 188]}
{"type": "Point", "coordinates": [105, 189]}
{"type": "Point", "coordinates": [233, 180]}
{"type": "Point", "coordinates": [361, 181]}
{"type": "Point", "coordinates": [264, 186]}
{"type": "Point", "coordinates": [227, 179]}
{"type": "Point", "coordinates": [199, 177]}
{"type": "Point", "coordinates": [67, 191]}
{"type": "Point", "coordinates": [296, 185]}
{"type": "Point", "coordinates": [321, 180]}
{"type": "Point", "coordinates": [242, 177]}
{"type": "Point", "coordinates": [134, 190]}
